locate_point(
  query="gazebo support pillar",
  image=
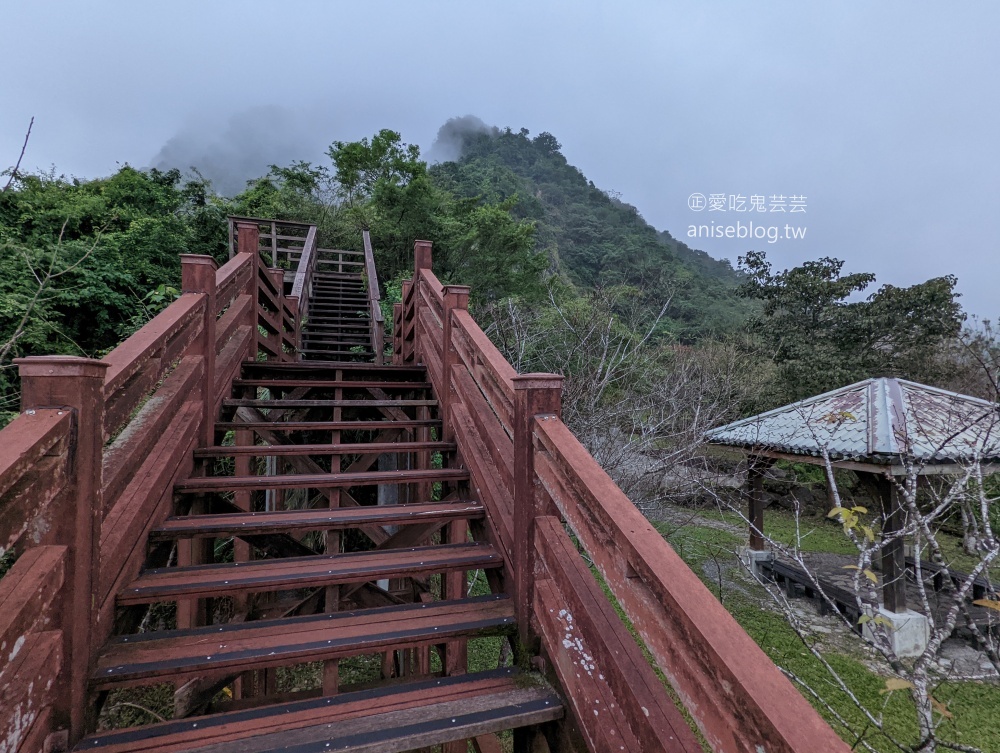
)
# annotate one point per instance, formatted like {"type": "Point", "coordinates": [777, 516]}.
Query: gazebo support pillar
{"type": "Point", "coordinates": [893, 563]}
{"type": "Point", "coordinates": [908, 631]}
{"type": "Point", "coordinates": [756, 551]}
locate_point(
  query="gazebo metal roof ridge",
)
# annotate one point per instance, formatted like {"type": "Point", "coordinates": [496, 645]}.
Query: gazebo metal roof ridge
{"type": "Point", "coordinates": [879, 420]}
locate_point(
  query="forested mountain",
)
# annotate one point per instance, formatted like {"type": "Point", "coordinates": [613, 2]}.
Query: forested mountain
{"type": "Point", "coordinates": [549, 256]}
{"type": "Point", "coordinates": [591, 237]}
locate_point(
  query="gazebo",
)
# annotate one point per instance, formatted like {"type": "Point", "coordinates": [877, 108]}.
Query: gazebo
{"type": "Point", "coordinates": [882, 428]}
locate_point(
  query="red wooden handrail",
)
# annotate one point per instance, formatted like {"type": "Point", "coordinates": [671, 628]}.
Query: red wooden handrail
{"type": "Point", "coordinates": [88, 469]}
{"type": "Point", "coordinates": [531, 474]}
{"type": "Point", "coordinates": [374, 298]}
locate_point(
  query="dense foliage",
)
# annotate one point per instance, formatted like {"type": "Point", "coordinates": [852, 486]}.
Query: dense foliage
{"type": "Point", "coordinates": [85, 263]}
{"type": "Point", "coordinates": [821, 340]}
{"type": "Point", "coordinates": [591, 237]}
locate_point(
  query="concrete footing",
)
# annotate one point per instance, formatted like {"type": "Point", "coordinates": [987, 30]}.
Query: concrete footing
{"type": "Point", "coordinates": [908, 631]}
{"type": "Point", "coordinates": [752, 559]}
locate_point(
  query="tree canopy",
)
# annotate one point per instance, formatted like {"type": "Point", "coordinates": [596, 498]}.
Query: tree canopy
{"type": "Point", "coordinates": [821, 339]}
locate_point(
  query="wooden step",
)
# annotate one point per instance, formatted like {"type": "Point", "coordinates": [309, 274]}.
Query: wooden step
{"type": "Point", "coordinates": [317, 348]}
{"type": "Point", "coordinates": [346, 276]}
{"type": "Point", "coordinates": [350, 330]}
{"type": "Point", "coordinates": [355, 384]}
{"type": "Point", "coordinates": [362, 403]}
{"type": "Point", "coordinates": [320, 337]}
{"type": "Point", "coordinates": [286, 521]}
{"type": "Point", "coordinates": [360, 448]}
{"type": "Point", "coordinates": [149, 657]}
{"type": "Point", "coordinates": [203, 581]}
{"type": "Point", "coordinates": [310, 369]}
{"type": "Point", "coordinates": [340, 322]}
{"type": "Point", "coordinates": [327, 425]}
{"type": "Point", "coordinates": [319, 480]}
{"type": "Point", "coordinates": [390, 719]}
{"type": "Point", "coordinates": [339, 356]}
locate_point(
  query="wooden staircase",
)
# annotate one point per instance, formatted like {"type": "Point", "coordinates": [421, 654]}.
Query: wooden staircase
{"type": "Point", "coordinates": [339, 327]}
{"type": "Point", "coordinates": [243, 507]}
{"type": "Point", "coordinates": [354, 535]}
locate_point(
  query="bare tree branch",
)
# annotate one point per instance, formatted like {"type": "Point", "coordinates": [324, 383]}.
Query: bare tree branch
{"type": "Point", "coordinates": [13, 173]}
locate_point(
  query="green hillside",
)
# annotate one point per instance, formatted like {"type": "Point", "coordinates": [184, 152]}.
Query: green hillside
{"type": "Point", "coordinates": [594, 239]}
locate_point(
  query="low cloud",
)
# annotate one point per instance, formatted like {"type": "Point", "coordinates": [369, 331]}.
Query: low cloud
{"type": "Point", "coordinates": [241, 149]}
{"type": "Point", "coordinates": [453, 136]}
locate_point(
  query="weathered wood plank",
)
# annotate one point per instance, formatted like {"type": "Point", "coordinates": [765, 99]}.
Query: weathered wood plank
{"type": "Point", "coordinates": [28, 685]}
{"type": "Point", "coordinates": [219, 525]}
{"type": "Point", "coordinates": [145, 658]}
{"type": "Point", "coordinates": [26, 593]}
{"type": "Point", "coordinates": [598, 645]}
{"type": "Point", "coordinates": [143, 503]}
{"type": "Point", "coordinates": [395, 732]}
{"type": "Point", "coordinates": [151, 340]}
{"type": "Point", "coordinates": [183, 734]}
{"type": "Point", "coordinates": [231, 279]}
{"type": "Point", "coordinates": [485, 482]}
{"type": "Point", "coordinates": [304, 572]}
{"type": "Point", "coordinates": [733, 690]}
{"type": "Point", "coordinates": [319, 480]}
{"type": "Point", "coordinates": [236, 316]}
{"type": "Point", "coordinates": [27, 439]}
{"type": "Point", "coordinates": [366, 448]}
{"type": "Point", "coordinates": [134, 444]}
{"type": "Point", "coordinates": [26, 512]}
{"type": "Point", "coordinates": [321, 403]}
{"type": "Point", "coordinates": [491, 433]}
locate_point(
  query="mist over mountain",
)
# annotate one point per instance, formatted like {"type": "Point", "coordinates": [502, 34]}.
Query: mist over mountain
{"type": "Point", "coordinates": [240, 149]}
{"type": "Point", "coordinates": [453, 136]}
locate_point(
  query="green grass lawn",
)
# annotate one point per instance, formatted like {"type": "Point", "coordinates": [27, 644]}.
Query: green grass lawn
{"type": "Point", "coordinates": [975, 706]}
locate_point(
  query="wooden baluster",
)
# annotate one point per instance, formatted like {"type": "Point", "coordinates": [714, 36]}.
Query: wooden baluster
{"type": "Point", "coordinates": [75, 384]}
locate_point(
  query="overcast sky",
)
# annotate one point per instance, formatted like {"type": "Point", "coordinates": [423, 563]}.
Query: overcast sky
{"type": "Point", "coordinates": [882, 118]}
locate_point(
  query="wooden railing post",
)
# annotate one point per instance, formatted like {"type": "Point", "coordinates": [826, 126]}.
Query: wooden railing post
{"type": "Point", "coordinates": [456, 297]}
{"type": "Point", "coordinates": [77, 385]}
{"type": "Point", "coordinates": [535, 395]}
{"type": "Point", "coordinates": [198, 276]}
{"type": "Point", "coordinates": [422, 259]}
{"type": "Point", "coordinates": [247, 238]}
